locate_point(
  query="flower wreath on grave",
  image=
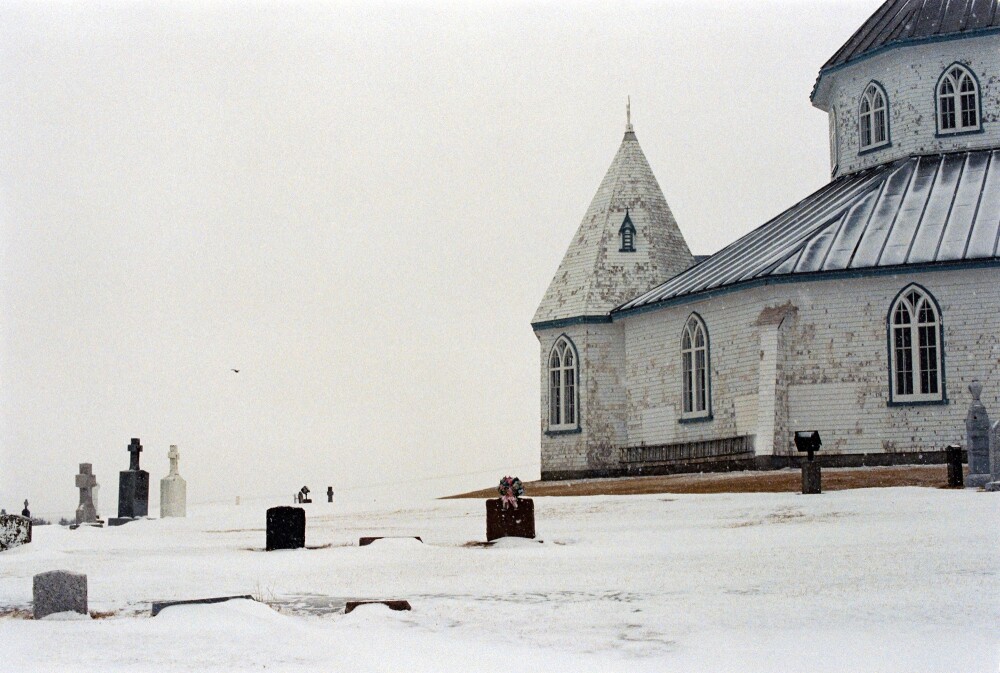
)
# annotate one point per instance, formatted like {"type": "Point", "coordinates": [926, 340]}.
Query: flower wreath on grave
{"type": "Point", "coordinates": [510, 490]}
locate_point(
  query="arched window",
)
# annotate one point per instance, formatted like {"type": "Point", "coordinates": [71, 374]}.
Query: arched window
{"type": "Point", "coordinates": [694, 365]}
{"type": "Point", "coordinates": [957, 101]}
{"type": "Point", "coordinates": [915, 343]}
{"type": "Point", "coordinates": [627, 234]}
{"type": "Point", "coordinates": [562, 385]}
{"type": "Point", "coordinates": [873, 117]}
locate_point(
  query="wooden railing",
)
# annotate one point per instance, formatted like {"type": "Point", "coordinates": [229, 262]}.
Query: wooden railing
{"type": "Point", "coordinates": [686, 452]}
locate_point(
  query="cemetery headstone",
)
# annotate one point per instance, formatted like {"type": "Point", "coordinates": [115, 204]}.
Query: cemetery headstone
{"type": "Point", "coordinates": [392, 604]}
{"type": "Point", "coordinates": [26, 512]}
{"type": "Point", "coordinates": [286, 528]}
{"type": "Point", "coordinates": [59, 591]}
{"type": "Point", "coordinates": [956, 478]}
{"type": "Point", "coordinates": [86, 482]}
{"type": "Point", "coordinates": [329, 493]}
{"type": "Point", "coordinates": [994, 483]}
{"type": "Point", "coordinates": [173, 488]}
{"type": "Point", "coordinates": [14, 531]}
{"type": "Point", "coordinates": [133, 488]}
{"type": "Point", "coordinates": [510, 515]}
{"type": "Point", "coordinates": [977, 439]}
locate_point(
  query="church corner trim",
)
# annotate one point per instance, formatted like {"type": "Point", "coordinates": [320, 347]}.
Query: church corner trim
{"type": "Point", "coordinates": [569, 322]}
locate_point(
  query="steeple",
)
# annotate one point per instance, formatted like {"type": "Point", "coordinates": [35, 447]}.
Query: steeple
{"type": "Point", "coordinates": [597, 273]}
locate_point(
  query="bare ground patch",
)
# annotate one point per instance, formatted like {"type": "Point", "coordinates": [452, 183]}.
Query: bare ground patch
{"type": "Point", "coordinates": [779, 481]}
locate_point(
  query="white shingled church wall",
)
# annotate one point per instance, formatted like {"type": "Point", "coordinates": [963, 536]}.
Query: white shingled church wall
{"type": "Point", "coordinates": [601, 399]}
{"type": "Point", "coordinates": [836, 363]}
{"type": "Point", "coordinates": [910, 75]}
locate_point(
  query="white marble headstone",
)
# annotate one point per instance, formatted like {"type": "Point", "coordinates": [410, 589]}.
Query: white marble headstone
{"type": "Point", "coordinates": [173, 489]}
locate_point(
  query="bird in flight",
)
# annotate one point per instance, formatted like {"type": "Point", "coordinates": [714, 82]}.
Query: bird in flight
{"type": "Point", "coordinates": [237, 371]}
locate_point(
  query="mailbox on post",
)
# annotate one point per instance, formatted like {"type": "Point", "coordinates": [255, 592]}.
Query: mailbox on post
{"type": "Point", "coordinates": [808, 441]}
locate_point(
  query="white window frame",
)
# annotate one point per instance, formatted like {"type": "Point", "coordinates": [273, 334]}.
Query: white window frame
{"type": "Point", "coordinates": [564, 385]}
{"type": "Point", "coordinates": [911, 334]}
{"type": "Point", "coordinates": [696, 371]}
{"type": "Point", "coordinates": [873, 118]}
{"type": "Point", "coordinates": [957, 97]}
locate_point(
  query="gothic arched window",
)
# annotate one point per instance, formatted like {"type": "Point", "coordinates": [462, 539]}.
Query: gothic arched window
{"type": "Point", "coordinates": [563, 385]}
{"type": "Point", "coordinates": [696, 394]}
{"type": "Point", "coordinates": [873, 117]}
{"type": "Point", "coordinates": [915, 344]}
{"type": "Point", "coordinates": [957, 101]}
{"type": "Point", "coordinates": [627, 234]}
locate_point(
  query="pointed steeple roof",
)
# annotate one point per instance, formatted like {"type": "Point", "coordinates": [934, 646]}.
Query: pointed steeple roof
{"type": "Point", "coordinates": [595, 276]}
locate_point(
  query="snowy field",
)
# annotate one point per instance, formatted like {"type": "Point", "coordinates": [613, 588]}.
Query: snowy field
{"type": "Point", "coordinates": [902, 579]}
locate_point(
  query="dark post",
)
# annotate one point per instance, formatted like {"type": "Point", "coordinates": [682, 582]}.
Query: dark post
{"type": "Point", "coordinates": [809, 442]}
{"type": "Point", "coordinates": [956, 479]}
{"type": "Point", "coordinates": [329, 493]}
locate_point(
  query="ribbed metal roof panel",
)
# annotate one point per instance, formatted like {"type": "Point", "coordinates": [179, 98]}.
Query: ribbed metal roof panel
{"type": "Point", "coordinates": [902, 20]}
{"type": "Point", "coordinates": [919, 210]}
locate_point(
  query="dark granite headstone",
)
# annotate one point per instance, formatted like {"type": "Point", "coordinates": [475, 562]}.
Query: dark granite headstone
{"type": "Point", "coordinates": [956, 479]}
{"type": "Point", "coordinates": [59, 591]}
{"type": "Point", "coordinates": [329, 493]}
{"type": "Point", "coordinates": [26, 513]}
{"type": "Point", "coordinates": [510, 522]}
{"type": "Point", "coordinates": [811, 477]}
{"type": "Point", "coordinates": [286, 528]}
{"type": "Point", "coordinates": [14, 531]}
{"type": "Point", "coordinates": [133, 486]}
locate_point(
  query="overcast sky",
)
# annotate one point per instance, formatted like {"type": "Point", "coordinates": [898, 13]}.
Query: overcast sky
{"type": "Point", "coordinates": [357, 206]}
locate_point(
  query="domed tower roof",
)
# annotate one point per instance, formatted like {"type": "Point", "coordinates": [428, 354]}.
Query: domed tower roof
{"type": "Point", "coordinates": [601, 268]}
{"type": "Point", "coordinates": [899, 21]}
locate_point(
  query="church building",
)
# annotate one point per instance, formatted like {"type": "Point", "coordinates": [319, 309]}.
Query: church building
{"type": "Point", "coordinates": [863, 312]}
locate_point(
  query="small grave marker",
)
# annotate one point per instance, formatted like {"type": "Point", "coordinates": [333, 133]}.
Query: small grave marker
{"type": "Point", "coordinates": [14, 531]}
{"type": "Point", "coordinates": [59, 591]}
{"type": "Point", "coordinates": [286, 528]}
{"type": "Point", "coordinates": [391, 604]}
{"type": "Point", "coordinates": [510, 515]}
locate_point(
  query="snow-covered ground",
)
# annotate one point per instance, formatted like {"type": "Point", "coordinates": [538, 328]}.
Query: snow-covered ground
{"type": "Point", "coordinates": [902, 579]}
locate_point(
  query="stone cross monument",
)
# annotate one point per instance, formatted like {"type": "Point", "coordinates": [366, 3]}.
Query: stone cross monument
{"type": "Point", "coordinates": [977, 438]}
{"type": "Point", "coordinates": [133, 486]}
{"type": "Point", "coordinates": [173, 488]}
{"type": "Point", "coordinates": [86, 482]}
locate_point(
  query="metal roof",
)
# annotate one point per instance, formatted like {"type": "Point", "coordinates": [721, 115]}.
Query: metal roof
{"type": "Point", "coordinates": [906, 20]}
{"type": "Point", "coordinates": [919, 210]}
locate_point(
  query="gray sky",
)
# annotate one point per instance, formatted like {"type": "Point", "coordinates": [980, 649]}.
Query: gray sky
{"type": "Point", "coordinates": [358, 206]}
